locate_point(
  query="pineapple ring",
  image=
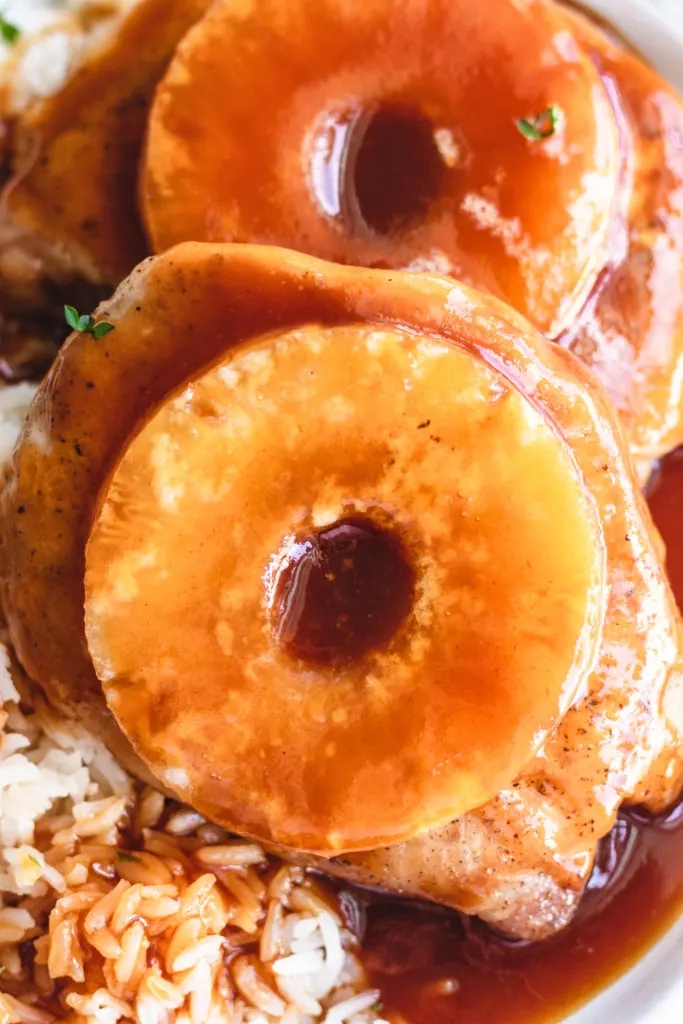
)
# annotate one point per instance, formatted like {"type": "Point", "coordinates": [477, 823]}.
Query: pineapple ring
{"type": "Point", "coordinates": [281, 125]}
{"type": "Point", "coordinates": [324, 592]}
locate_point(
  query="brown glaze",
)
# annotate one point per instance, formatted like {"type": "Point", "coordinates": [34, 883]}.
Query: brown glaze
{"type": "Point", "coordinates": [197, 303]}
{"type": "Point", "coordinates": [433, 967]}
{"type": "Point", "coordinates": [341, 592]}
{"type": "Point", "coordinates": [394, 172]}
{"type": "Point", "coordinates": [279, 127]}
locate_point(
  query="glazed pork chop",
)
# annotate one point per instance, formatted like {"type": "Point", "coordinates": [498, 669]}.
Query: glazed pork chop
{"type": "Point", "coordinates": [68, 215]}
{"type": "Point", "coordinates": [527, 687]}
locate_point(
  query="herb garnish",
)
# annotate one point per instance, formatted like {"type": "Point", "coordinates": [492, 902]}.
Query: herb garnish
{"type": "Point", "coordinates": [34, 860]}
{"type": "Point", "coordinates": [127, 858]}
{"type": "Point", "coordinates": [376, 1007]}
{"type": "Point", "coordinates": [9, 33]}
{"type": "Point", "coordinates": [542, 126]}
{"type": "Point", "coordinates": [86, 324]}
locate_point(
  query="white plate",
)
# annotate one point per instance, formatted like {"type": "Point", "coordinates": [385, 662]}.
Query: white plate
{"type": "Point", "coordinates": [651, 993]}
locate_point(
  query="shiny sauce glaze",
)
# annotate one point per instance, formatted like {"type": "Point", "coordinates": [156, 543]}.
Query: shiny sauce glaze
{"type": "Point", "coordinates": [435, 967]}
{"type": "Point", "coordinates": [341, 592]}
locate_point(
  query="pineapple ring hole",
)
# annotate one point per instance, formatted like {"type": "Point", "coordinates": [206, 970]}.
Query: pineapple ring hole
{"type": "Point", "coordinates": [379, 170]}
{"type": "Point", "coordinates": [339, 593]}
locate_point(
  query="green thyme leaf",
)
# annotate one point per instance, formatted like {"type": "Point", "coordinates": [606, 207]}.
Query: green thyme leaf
{"type": "Point", "coordinates": [127, 858]}
{"type": "Point", "coordinates": [9, 33]}
{"type": "Point", "coordinates": [2, 970]}
{"type": "Point", "coordinates": [34, 860]}
{"type": "Point", "coordinates": [101, 329]}
{"type": "Point", "coordinates": [72, 318]}
{"type": "Point", "coordinates": [542, 126]}
{"type": "Point", "coordinates": [376, 1007]}
{"type": "Point", "coordinates": [86, 324]}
